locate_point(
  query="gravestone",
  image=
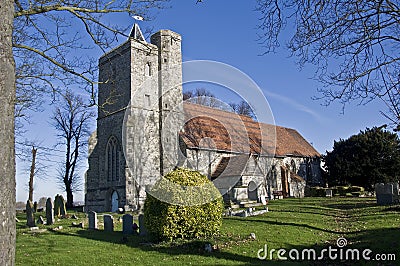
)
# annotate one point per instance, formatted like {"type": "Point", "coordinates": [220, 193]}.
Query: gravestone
{"type": "Point", "coordinates": [63, 209]}
{"type": "Point", "coordinates": [49, 212]}
{"type": "Point", "coordinates": [108, 223]}
{"type": "Point", "coordinates": [263, 200]}
{"type": "Point", "coordinates": [59, 206]}
{"type": "Point", "coordinates": [135, 228]}
{"type": "Point", "coordinates": [56, 206]}
{"type": "Point", "coordinates": [329, 193]}
{"type": "Point", "coordinates": [92, 220]}
{"type": "Point", "coordinates": [387, 194]}
{"type": "Point", "coordinates": [127, 224]}
{"type": "Point", "coordinates": [79, 225]}
{"type": "Point", "coordinates": [30, 217]}
{"type": "Point", "coordinates": [40, 220]}
{"type": "Point", "coordinates": [142, 227]}
{"type": "Point", "coordinates": [35, 206]}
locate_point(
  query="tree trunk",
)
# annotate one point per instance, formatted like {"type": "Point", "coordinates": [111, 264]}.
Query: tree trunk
{"type": "Point", "coordinates": [70, 196]}
{"type": "Point", "coordinates": [32, 174]}
{"type": "Point", "coordinates": [7, 153]}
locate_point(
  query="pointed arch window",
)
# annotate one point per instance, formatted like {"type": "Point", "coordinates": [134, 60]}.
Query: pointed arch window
{"type": "Point", "coordinates": [112, 159]}
{"type": "Point", "coordinates": [147, 69]}
{"type": "Point", "coordinates": [293, 166]}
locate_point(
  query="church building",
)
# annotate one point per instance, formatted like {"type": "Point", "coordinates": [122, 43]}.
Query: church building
{"type": "Point", "coordinates": [145, 132]}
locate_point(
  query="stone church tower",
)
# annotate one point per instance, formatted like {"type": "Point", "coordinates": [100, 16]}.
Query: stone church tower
{"type": "Point", "coordinates": [144, 81]}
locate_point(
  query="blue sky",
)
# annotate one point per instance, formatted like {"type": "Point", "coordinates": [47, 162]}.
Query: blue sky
{"type": "Point", "coordinates": [226, 31]}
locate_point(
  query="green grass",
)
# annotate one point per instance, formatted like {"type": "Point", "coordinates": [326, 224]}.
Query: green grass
{"type": "Point", "coordinates": [291, 223]}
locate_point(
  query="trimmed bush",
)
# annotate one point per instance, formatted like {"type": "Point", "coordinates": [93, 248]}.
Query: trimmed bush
{"type": "Point", "coordinates": [355, 189]}
{"type": "Point", "coordinates": [177, 215]}
{"type": "Point", "coordinates": [342, 190]}
{"type": "Point", "coordinates": [317, 192]}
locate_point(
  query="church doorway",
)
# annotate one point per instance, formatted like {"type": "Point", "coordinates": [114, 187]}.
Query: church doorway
{"type": "Point", "coordinates": [252, 193]}
{"type": "Point", "coordinates": [285, 183]}
{"type": "Point", "coordinates": [114, 202]}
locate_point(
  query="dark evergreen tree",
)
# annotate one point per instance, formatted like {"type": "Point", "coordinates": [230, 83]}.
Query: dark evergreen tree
{"type": "Point", "coordinates": [370, 157]}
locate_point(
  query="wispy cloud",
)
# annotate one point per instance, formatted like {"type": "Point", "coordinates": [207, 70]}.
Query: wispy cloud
{"type": "Point", "coordinates": [294, 105]}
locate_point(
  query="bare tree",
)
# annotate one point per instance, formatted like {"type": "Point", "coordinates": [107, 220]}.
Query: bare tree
{"type": "Point", "coordinates": [7, 153]}
{"type": "Point", "coordinates": [42, 202]}
{"type": "Point", "coordinates": [39, 34]}
{"type": "Point", "coordinates": [354, 44]}
{"type": "Point", "coordinates": [51, 39]}
{"type": "Point", "coordinates": [202, 96]}
{"type": "Point", "coordinates": [71, 121]}
{"type": "Point", "coordinates": [243, 108]}
{"type": "Point", "coordinates": [32, 173]}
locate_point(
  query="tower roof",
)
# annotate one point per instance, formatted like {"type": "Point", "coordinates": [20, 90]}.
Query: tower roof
{"type": "Point", "coordinates": [136, 33]}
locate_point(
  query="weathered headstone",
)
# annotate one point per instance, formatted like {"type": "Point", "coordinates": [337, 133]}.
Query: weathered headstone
{"type": "Point", "coordinates": [40, 220]}
{"type": "Point", "coordinates": [385, 193]}
{"type": "Point", "coordinates": [329, 193]}
{"type": "Point", "coordinates": [142, 227]}
{"type": "Point", "coordinates": [135, 228]}
{"type": "Point", "coordinates": [263, 200]}
{"type": "Point", "coordinates": [108, 223]}
{"type": "Point", "coordinates": [30, 217]}
{"type": "Point", "coordinates": [59, 206]}
{"type": "Point", "coordinates": [79, 225]}
{"type": "Point", "coordinates": [56, 206]}
{"type": "Point", "coordinates": [92, 220]}
{"type": "Point", "coordinates": [127, 224]}
{"type": "Point", "coordinates": [63, 209]}
{"type": "Point", "coordinates": [208, 247]}
{"type": "Point", "coordinates": [35, 206]}
{"type": "Point", "coordinates": [49, 212]}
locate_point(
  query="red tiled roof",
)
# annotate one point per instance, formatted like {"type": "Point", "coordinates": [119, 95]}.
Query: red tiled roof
{"type": "Point", "coordinates": [212, 128]}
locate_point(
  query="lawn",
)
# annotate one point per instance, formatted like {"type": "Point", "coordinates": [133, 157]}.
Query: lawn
{"type": "Point", "coordinates": [291, 224]}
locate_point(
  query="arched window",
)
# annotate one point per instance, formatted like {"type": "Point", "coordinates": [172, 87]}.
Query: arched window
{"type": "Point", "coordinates": [112, 159]}
{"type": "Point", "coordinates": [273, 177]}
{"type": "Point", "coordinates": [293, 166]}
{"type": "Point", "coordinates": [147, 69]}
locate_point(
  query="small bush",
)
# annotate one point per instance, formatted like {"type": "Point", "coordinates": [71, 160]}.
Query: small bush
{"type": "Point", "coordinates": [317, 192]}
{"type": "Point", "coordinates": [355, 189]}
{"type": "Point", "coordinates": [169, 220]}
{"type": "Point", "coordinates": [342, 190]}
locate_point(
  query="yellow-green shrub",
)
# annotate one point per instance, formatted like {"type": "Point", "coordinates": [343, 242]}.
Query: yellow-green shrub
{"type": "Point", "coordinates": [176, 215]}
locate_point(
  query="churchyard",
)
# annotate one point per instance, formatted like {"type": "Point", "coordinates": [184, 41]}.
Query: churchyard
{"type": "Point", "coordinates": [290, 223]}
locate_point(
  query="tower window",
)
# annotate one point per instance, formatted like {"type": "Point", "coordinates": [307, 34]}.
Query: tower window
{"type": "Point", "coordinates": [147, 101]}
{"type": "Point", "coordinates": [112, 159]}
{"type": "Point", "coordinates": [293, 166]}
{"type": "Point", "coordinates": [147, 69]}
{"type": "Point", "coordinates": [165, 60]}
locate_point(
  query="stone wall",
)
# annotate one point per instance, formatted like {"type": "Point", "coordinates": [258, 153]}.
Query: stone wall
{"type": "Point", "coordinates": [148, 76]}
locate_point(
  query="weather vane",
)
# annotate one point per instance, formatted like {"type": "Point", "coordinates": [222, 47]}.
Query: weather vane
{"type": "Point", "coordinates": [138, 18]}
{"type": "Point", "coordinates": [136, 33]}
